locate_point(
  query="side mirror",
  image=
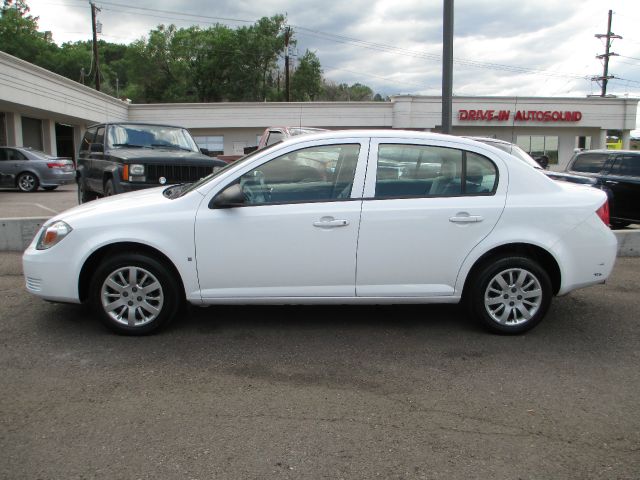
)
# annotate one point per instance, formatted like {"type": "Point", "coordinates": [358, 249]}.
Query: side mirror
{"type": "Point", "coordinates": [96, 148]}
{"type": "Point", "coordinates": [204, 151]}
{"type": "Point", "coordinates": [230, 197]}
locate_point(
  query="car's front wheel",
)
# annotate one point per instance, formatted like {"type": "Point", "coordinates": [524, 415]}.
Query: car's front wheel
{"type": "Point", "coordinates": [134, 294]}
{"type": "Point", "coordinates": [84, 195]}
{"type": "Point", "coordinates": [510, 295]}
{"type": "Point", "coordinates": [28, 182]}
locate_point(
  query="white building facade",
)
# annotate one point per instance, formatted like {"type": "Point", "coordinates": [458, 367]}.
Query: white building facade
{"type": "Point", "coordinates": [46, 111]}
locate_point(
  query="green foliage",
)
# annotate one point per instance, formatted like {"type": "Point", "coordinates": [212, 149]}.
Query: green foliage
{"type": "Point", "coordinates": [342, 92]}
{"type": "Point", "coordinates": [306, 81]}
{"type": "Point", "coordinates": [19, 34]}
{"type": "Point", "coordinates": [180, 64]}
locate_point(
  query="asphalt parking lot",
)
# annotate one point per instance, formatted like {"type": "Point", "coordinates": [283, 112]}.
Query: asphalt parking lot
{"type": "Point", "coordinates": [322, 392]}
{"type": "Point", "coordinates": [37, 204]}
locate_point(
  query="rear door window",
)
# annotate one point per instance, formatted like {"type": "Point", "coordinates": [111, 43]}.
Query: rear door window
{"type": "Point", "coordinates": [627, 165]}
{"type": "Point", "coordinates": [589, 162]}
{"type": "Point", "coordinates": [406, 171]}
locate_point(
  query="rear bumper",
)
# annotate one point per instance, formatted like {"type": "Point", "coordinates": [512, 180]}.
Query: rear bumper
{"type": "Point", "coordinates": [589, 254]}
{"type": "Point", "coordinates": [57, 178]}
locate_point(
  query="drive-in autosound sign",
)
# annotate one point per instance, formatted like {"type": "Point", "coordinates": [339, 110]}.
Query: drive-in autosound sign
{"type": "Point", "coordinates": [520, 115]}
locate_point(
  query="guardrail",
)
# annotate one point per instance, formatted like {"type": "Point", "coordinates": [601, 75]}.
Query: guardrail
{"type": "Point", "coordinates": [17, 233]}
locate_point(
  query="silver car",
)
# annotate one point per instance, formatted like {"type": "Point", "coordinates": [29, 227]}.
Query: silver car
{"type": "Point", "coordinates": [28, 169]}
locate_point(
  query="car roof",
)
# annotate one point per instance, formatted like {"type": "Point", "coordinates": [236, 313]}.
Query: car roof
{"type": "Point", "coordinates": [608, 151]}
{"type": "Point", "coordinates": [381, 133]}
{"type": "Point", "coordinates": [136, 123]}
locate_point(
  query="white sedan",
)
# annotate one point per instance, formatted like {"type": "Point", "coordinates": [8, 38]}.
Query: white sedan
{"type": "Point", "coordinates": [385, 217]}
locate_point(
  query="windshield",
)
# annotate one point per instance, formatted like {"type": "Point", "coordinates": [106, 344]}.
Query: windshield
{"type": "Point", "coordinates": [150, 136]}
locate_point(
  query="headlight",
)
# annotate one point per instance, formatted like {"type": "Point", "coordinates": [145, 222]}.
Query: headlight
{"type": "Point", "coordinates": [53, 234]}
{"type": "Point", "coordinates": [136, 169]}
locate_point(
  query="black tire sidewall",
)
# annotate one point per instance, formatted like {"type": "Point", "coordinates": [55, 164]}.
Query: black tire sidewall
{"type": "Point", "coordinates": [170, 290]}
{"type": "Point", "coordinates": [108, 188]}
{"type": "Point", "coordinates": [481, 281]}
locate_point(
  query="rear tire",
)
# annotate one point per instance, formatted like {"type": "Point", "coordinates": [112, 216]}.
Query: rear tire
{"type": "Point", "coordinates": [134, 294]}
{"type": "Point", "coordinates": [509, 295]}
{"type": "Point", "coordinates": [619, 224]}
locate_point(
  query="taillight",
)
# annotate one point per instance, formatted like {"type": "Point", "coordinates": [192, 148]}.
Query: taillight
{"type": "Point", "coordinates": [603, 213]}
{"type": "Point", "coordinates": [56, 165]}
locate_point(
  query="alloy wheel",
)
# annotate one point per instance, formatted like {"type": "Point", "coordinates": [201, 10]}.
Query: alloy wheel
{"type": "Point", "coordinates": [132, 296]}
{"type": "Point", "coordinates": [513, 296]}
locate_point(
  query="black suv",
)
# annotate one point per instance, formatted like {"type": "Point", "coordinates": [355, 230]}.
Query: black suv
{"type": "Point", "coordinates": [617, 170]}
{"type": "Point", "coordinates": [121, 157]}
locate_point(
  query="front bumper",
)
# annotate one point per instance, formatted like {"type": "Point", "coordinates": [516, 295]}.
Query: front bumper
{"type": "Point", "coordinates": [49, 274]}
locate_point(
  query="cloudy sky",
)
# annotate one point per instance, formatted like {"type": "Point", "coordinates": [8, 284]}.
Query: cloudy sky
{"type": "Point", "coordinates": [501, 47]}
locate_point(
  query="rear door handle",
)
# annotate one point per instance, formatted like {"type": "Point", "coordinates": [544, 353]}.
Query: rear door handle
{"type": "Point", "coordinates": [330, 222]}
{"type": "Point", "coordinates": [466, 218]}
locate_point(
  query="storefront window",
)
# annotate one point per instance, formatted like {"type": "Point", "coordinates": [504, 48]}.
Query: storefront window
{"type": "Point", "coordinates": [213, 143]}
{"type": "Point", "coordinates": [538, 145]}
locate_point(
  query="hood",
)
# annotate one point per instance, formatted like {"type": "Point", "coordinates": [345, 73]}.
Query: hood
{"type": "Point", "coordinates": [164, 155]}
{"type": "Point", "coordinates": [124, 204]}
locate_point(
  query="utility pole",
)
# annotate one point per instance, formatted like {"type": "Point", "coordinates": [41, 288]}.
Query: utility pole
{"type": "Point", "coordinates": [447, 65]}
{"type": "Point", "coordinates": [96, 61]}
{"type": "Point", "coordinates": [287, 35]}
{"type": "Point", "coordinates": [605, 73]}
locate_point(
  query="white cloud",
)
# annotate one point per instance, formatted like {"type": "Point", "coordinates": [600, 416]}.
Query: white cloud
{"type": "Point", "coordinates": [544, 35]}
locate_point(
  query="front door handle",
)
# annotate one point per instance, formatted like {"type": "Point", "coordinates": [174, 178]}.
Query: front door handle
{"type": "Point", "coordinates": [466, 218]}
{"type": "Point", "coordinates": [330, 222]}
{"type": "Point", "coordinates": [610, 182]}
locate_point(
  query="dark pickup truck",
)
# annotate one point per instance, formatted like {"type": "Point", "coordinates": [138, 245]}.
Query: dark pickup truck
{"type": "Point", "coordinates": [618, 171]}
{"type": "Point", "coordinates": [122, 157]}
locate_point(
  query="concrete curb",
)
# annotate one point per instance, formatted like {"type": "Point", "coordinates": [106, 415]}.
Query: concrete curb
{"type": "Point", "coordinates": [17, 233]}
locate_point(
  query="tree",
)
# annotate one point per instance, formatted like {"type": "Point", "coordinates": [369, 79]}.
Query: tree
{"type": "Point", "coordinates": [19, 34]}
{"type": "Point", "coordinates": [306, 82]}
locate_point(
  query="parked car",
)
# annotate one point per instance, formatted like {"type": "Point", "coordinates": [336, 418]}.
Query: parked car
{"type": "Point", "coordinates": [27, 169]}
{"type": "Point", "coordinates": [617, 170]}
{"type": "Point", "coordinates": [273, 135]}
{"type": "Point", "coordinates": [122, 157]}
{"type": "Point", "coordinates": [495, 234]}
{"type": "Point", "coordinates": [515, 150]}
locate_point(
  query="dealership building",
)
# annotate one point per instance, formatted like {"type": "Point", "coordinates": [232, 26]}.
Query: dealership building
{"type": "Point", "coordinates": [48, 112]}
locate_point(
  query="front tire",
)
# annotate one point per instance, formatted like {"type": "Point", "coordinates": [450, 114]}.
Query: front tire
{"type": "Point", "coordinates": [510, 295]}
{"type": "Point", "coordinates": [108, 188]}
{"type": "Point", "coordinates": [134, 294]}
{"type": "Point", "coordinates": [28, 182]}
{"type": "Point", "coordinates": [84, 195]}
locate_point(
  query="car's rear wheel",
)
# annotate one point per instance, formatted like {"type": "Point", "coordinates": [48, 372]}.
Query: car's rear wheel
{"type": "Point", "coordinates": [28, 182]}
{"type": "Point", "coordinates": [619, 224]}
{"type": "Point", "coordinates": [510, 295]}
{"type": "Point", "coordinates": [134, 294]}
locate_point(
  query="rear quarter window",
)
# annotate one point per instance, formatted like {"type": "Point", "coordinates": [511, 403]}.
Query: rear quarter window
{"type": "Point", "coordinates": [589, 162]}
